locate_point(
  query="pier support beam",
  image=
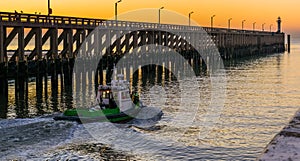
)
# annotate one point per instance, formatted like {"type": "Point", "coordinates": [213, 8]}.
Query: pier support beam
{"type": "Point", "coordinates": [3, 90]}
{"type": "Point", "coordinates": [54, 83]}
{"type": "Point", "coordinates": [54, 43]}
{"type": "Point", "coordinates": [2, 39]}
{"type": "Point", "coordinates": [21, 44]}
{"type": "Point", "coordinates": [39, 83]}
{"type": "Point", "coordinates": [38, 43]}
{"type": "Point", "coordinates": [21, 94]}
{"type": "Point", "coordinates": [289, 43]}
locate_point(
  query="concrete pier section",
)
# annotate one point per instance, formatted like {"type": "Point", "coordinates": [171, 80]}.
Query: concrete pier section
{"type": "Point", "coordinates": [286, 144]}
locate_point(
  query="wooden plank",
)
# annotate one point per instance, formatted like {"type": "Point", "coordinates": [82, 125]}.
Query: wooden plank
{"type": "Point", "coordinates": [70, 43]}
{"type": "Point", "coordinates": [39, 43]}
{"type": "Point", "coordinates": [21, 44]}
{"type": "Point", "coordinates": [54, 43]}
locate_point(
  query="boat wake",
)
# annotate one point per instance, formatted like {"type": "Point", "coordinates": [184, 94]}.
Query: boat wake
{"type": "Point", "coordinates": [43, 138]}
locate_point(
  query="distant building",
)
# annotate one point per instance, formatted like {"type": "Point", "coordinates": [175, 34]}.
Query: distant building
{"type": "Point", "coordinates": [279, 25]}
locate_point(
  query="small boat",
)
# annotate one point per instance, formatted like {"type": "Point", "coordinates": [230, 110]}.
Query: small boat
{"type": "Point", "coordinates": [114, 104]}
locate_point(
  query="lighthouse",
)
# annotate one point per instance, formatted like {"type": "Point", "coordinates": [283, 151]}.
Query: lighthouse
{"type": "Point", "coordinates": [278, 25]}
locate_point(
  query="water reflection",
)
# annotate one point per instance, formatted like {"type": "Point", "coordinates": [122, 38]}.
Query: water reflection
{"type": "Point", "coordinates": [48, 94]}
{"type": "Point", "coordinates": [262, 94]}
{"type": "Point", "coordinates": [44, 94]}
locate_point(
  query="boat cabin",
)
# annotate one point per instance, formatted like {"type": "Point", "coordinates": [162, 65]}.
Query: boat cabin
{"type": "Point", "coordinates": [115, 95]}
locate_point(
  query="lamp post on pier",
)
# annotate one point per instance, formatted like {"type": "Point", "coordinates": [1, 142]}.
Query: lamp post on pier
{"type": "Point", "coordinates": [116, 10]}
{"type": "Point", "coordinates": [263, 27]}
{"type": "Point", "coordinates": [229, 23]}
{"type": "Point", "coordinates": [49, 9]}
{"type": "Point", "coordinates": [254, 25]}
{"type": "Point", "coordinates": [212, 21]}
{"type": "Point", "coordinates": [243, 24]}
{"type": "Point", "coordinates": [159, 14]}
{"type": "Point", "coordinates": [190, 17]}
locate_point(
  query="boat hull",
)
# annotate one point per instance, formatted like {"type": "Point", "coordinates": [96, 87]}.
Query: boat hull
{"type": "Point", "coordinates": [88, 117]}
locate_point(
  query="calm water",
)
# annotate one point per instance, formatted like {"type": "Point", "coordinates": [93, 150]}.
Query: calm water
{"type": "Point", "coordinates": [262, 94]}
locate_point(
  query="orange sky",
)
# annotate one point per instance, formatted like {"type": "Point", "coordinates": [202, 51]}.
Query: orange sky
{"type": "Point", "coordinates": [258, 11]}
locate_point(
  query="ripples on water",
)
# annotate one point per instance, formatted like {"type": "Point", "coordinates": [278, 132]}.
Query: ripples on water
{"type": "Point", "coordinates": [262, 94]}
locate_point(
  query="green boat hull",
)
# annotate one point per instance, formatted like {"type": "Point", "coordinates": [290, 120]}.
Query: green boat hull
{"type": "Point", "coordinates": [104, 115]}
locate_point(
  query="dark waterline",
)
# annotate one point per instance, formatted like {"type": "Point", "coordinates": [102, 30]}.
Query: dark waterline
{"type": "Point", "coordinates": [39, 96]}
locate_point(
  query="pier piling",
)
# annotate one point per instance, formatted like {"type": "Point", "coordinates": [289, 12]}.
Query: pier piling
{"type": "Point", "coordinates": [3, 90]}
{"type": "Point", "coordinates": [289, 43]}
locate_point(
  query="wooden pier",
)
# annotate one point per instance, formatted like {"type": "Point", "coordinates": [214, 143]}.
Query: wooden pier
{"type": "Point", "coordinates": [56, 42]}
{"type": "Point", "coordinates": [68, 33]}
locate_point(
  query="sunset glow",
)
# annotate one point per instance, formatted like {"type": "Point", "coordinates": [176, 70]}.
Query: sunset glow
{"type": "Point", "coordinates": [252, 11]}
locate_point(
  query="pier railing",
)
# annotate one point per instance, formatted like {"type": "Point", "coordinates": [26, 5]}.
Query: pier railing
{"type": "Point", "coordinates": [34, 19]}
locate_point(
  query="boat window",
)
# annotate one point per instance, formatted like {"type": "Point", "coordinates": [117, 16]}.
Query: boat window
{"type": "Point", "coordinates": [105, 94]}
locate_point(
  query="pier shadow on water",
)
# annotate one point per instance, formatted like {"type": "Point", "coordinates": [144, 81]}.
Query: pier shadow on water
{"type": "Point", "coordinates": [34, 88]}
